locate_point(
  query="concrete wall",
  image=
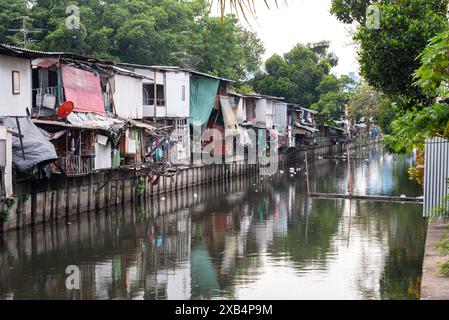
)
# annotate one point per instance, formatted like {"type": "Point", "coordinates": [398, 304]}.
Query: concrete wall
{"type": "Point", "coordinates": [40, 202]}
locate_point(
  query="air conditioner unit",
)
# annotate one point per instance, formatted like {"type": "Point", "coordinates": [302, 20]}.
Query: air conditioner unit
{"type": "Point", "coordinates": [2, 153]}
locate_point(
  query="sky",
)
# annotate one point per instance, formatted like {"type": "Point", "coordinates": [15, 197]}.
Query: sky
{"type": "Point", "coordinates": [304, 21]}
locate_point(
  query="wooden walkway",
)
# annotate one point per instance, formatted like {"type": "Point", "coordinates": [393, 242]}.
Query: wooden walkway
{"type": "Point", "coordinates": [366, 197]}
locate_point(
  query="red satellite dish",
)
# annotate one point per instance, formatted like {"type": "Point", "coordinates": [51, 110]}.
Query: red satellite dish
{"type": "Point", "coordinates": [65, 109]}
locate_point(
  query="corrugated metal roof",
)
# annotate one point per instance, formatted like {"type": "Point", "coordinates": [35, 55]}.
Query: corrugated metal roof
{"type": "Point", "coordinates": [30, 53]}
{"type": "Point", "coordinates": [126, 72]}
{"type": "Point", "coordinates": [310, 129]}
{"type": "Point", "coordinates": [143, 125]}
{"type": "Point", "coordinates": [263, 96]}
{"type": "Point", "coordinates": [63, 124]}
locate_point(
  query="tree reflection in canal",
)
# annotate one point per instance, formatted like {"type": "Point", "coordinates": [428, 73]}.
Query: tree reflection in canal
{"type": "Point", "coordinates": [248, 239]}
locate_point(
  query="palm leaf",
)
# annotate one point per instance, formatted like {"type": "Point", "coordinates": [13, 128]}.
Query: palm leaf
{"type": "Point", "coordinates": [241, 7]}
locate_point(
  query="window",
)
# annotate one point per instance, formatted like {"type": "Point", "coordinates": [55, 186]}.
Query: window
{"type": "Point", "coordinates": [15, 82]}
{"type": "Point", "coordinates": [148, 95]}
{"type": "Point", "coordinates": [183, 93]}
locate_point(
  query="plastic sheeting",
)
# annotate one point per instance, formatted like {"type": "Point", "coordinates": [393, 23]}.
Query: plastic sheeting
{"type": "Point", "coordinates": [230, 121]}
{"type": "Point", "coordinates": [202, 97]}
{"type": "Point", "coordinates": [83, 88]}
{"type": "Point", "coordinates": [36, 146]}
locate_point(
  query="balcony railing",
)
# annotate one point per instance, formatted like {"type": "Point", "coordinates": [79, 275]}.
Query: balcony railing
{"type": "Point", "coordinates": [76, 165]}
{"type": "Point", "coordinates": [45, 97]}
{"type": "Point", "coordinates": [150, 102]}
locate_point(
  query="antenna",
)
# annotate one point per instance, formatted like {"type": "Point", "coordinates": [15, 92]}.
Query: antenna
{"type": "Point", "coordinates": [24, 30]}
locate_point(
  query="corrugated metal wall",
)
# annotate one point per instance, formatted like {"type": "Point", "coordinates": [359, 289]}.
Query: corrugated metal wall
{"type": "Point", "coordinates": [436, 172]}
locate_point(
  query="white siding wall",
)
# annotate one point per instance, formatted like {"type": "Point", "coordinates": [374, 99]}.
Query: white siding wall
{"type": "Point", "coordinates": [14, 105]}
{"type": "Point", "coordinates": [5, 135]}
{"type": "Point", "coordinates": [264, 112]}
{"type": "Point", "coordinates": [280, 117]}
{"type": "Point", "coordinates": [178, 94]}
{"type": "Point", "coordinates": [128, 97]}
{"type": "Point", "coordinates": [261, 110]}
{"type": "Point", "coordinates": [148, 111]}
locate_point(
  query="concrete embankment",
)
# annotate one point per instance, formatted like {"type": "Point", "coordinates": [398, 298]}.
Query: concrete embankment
{"type": "Point", "coordinates": [434, 285]}
{"type": "Point", "coordinates": [38, 202]}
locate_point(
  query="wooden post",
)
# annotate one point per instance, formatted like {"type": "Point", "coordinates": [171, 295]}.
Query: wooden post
{"type": "Point", "coordinates": [155, 95]}
{"type": "Point", "coordinates": [20, 137]}
{"type": "Point", "coordinates": [307, 174]}
{"type": "Point", "coordinates": [349, 170]}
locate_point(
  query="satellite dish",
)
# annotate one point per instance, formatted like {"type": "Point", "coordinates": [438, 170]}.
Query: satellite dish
{"type": "Point", "coordinates": [65, 109]}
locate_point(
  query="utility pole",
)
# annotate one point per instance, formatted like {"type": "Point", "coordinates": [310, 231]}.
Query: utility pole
{"type": "Point", "coordinates": [24, 30]}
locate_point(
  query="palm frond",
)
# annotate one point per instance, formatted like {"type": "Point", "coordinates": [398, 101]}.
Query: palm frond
{"type": "Point", "coordinates": [242, 8]}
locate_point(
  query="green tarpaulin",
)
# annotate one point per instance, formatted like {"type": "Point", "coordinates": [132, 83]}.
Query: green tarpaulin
{"type": "Point", "coordinates": [202, 97]}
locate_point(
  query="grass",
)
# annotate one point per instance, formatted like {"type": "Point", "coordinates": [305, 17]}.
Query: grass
{"type": "Point", "coordinates": [443, 246]}
{"type": "Point", "coordinates": [444, 267]}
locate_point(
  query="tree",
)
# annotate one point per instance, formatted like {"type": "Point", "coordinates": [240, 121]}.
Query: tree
{"type": "Point", "coordinates": [334, 97]}
{"type": "Point", "coordinates": [388, 56]}
{"type": "Point", "coordinates": [228, 50]}
{"type": "Point", "coordinates": [371, 106]}
{"type": "Point", "coordinates": [297, 74]}
{"type": "Point", "coordinates": [150, 32]}
{"type": "Point", "coordinates": [411, 130]}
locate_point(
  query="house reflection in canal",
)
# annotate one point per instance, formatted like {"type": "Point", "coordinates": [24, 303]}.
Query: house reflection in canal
{"type": "Point", "coordinates": [253, 238]}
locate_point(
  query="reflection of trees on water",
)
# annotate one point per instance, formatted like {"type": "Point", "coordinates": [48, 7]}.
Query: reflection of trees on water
{"type": "Point", "coordinates": [211, 241]}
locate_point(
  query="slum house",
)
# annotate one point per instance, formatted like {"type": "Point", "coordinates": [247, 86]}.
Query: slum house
{"type": "Point", "coordinates": [301, 130]}
{"type": "Point", "coordinates": [280, 123]}
{"type": "Point", "coordinates": [165, 98]}
{"type": "Point", "coordinates": [211, 112]}
{"type": "Point", "coordinates": [247, 137]}
{"type": "Point", "coordinates": [260, 113]}
{"type": "Point", "coordinates": [87, 135]}
{"type": "Point", "coordinates": [99, 132]}
{"type": "Point", "coordinates": [331, 134]}
{"type": "Point", "coordinates": [22, 145]}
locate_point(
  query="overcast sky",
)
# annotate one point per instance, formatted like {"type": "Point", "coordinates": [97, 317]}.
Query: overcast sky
{"type": "Point", "coordinates": [304, 21]}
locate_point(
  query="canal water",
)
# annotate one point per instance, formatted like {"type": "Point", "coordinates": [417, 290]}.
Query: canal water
{"type": "Point", "coordinates": [252, 238]}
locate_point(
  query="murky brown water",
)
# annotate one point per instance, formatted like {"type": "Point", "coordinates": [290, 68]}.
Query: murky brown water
{"type": "Point", "coordinates": [249, 239]}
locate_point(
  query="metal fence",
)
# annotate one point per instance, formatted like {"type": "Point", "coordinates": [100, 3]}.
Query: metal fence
{"type": "Point", "coordinates": [436, 174]}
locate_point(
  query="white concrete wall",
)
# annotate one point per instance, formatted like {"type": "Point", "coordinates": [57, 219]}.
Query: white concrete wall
{"type": "Point", "coordinates": [178, 105]}
{"type": "Point", "coordinates": [5, 135]}
{"type": "Point", "coordinates": [10, 104]}
{"type": "Point", "coordinates": [128, 97]}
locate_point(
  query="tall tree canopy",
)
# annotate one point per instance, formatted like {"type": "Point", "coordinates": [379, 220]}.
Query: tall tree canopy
{"type": "Point", "coordinates": [388, 55]}
{"type": "Point", "coordinates": [297, 74]}
{"type": "Point", "coordinates": [334, 96]}
{"type": "Point", "coordinates": [151, 32]}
